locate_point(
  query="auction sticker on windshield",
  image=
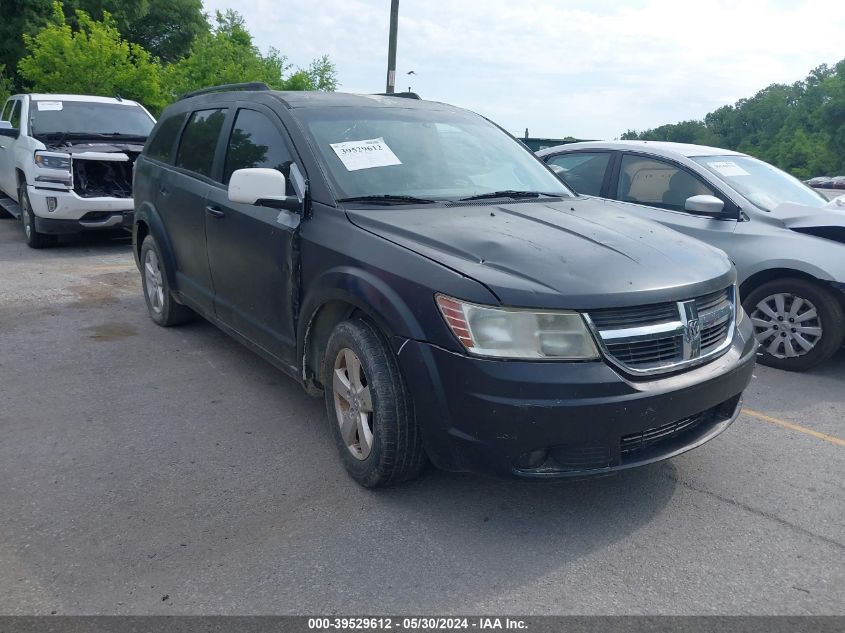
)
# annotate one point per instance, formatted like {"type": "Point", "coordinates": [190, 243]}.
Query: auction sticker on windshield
{"type": "Point", "coordinates": [728, 168]}
{"type": "Point", "coordinates": [357, 155]}
{"type": "Point", "coordinates": [49, 105]}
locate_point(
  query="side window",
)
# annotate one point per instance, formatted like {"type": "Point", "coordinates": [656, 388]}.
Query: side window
{"type": "Point", "coordinates": [199, 141]}
{"type": "Point", "coordinates": [7, 109]}
{"type": "Point", "coordinates": [255, 142]}
{"type": "Point", "coordinates": [161, 142]}
{"type": "Point", "coordinates": [15, 117]}
{"type": "Point", "coordinates": [657, 183]}
{"type": "Point", "coordinates": [583, 171]}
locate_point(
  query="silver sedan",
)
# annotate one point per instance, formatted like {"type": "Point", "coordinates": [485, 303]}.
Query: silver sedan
{"type": "Point", "coordinates": [786, 240]}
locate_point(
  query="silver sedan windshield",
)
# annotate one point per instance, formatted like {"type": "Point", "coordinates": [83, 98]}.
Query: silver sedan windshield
{"type": "Point", "coordinates": [764, 185]}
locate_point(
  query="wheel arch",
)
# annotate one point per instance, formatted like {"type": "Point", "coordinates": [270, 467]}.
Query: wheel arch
{"type": "Point", "coordinates": [770, 274]}
{"type": "Point", "coordinates": [342, 295]}
{"type": "Point", "coordinates": [148, 222]}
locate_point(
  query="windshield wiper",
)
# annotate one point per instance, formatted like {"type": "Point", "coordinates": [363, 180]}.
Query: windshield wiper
{"type": "Point", "coordinates": [127, 137]}
{"type": "Point", "coordinates": [388, 199]}
{"type": "Point", "coordinates": [510, 193]}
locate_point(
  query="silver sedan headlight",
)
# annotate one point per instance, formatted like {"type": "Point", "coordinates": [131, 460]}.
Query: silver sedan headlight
{"type": "Point", "coordinates": [517, 333]}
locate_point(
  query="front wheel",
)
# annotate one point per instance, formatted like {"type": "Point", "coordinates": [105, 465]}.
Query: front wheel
{"type": "Point", "coordinates": [798, 323]}
{"type": "Point", "coordinates": [369, 408]}
{"type": "Point", "coordinates": [34, 239]}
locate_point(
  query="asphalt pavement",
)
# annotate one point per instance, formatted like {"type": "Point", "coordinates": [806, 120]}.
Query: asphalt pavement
{"type": "Point", "coordinates": [170, 471]}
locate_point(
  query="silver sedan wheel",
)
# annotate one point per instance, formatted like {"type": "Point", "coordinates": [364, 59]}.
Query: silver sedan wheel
{"type": "Point", "coordinates": [154, 283]}
{"type": "Point", "coordinates": [786, 326]}
{"type": "Point", "coordinates": [353, 403]}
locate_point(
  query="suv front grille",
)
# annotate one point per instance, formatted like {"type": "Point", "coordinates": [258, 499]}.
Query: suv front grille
{"type": "Point", "coordinates": [667, 336]}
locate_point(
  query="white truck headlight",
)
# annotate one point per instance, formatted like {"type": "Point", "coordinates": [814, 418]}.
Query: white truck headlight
{"type": "Point", "coordinates": [52, 160]}
{"type": "Point", "coordinates": [518, 333]}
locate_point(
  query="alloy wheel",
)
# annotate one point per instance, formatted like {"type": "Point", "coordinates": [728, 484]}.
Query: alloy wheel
{"type": "Point", "coordinates": [786, 325]}
{"type": "Point", "coordinates": [353, 403]}
{"type": "Point", "coordinates": [154, 282]}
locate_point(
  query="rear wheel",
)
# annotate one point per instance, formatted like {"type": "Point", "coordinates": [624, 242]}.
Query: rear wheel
{"type": "Point", "coordinates": [798, 323]}
{"type": "Point", "coordinates": [161, 306]}
{"type": "Point", "coordinates": [369, 408]}
{"type": "Point", "coordinates": [34, 239]}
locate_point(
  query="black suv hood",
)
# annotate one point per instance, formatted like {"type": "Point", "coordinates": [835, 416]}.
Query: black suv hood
{"type": "Point", "coordinates": [581, 253]}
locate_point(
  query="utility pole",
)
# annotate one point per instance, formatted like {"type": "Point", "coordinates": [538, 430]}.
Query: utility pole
{"type": "Point", "coordinates": [391, 47]}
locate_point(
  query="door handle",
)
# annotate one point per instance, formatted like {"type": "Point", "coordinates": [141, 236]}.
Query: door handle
{"type": "Point", "coordinates": [164, 191]}
{"type": "Point", "coordinates": [214, 212]}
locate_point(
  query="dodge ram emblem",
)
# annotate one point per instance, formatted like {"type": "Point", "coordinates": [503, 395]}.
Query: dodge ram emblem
{"type": "Point", "coordinates": [692, 330]}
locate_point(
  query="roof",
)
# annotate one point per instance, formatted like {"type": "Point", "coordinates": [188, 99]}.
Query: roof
{"type": "Point", "coordinates": [656, 147]}
{"type": "Point", "coordinates": [88, 98]}
{"type": "Point", "coordinates": [314, 99]}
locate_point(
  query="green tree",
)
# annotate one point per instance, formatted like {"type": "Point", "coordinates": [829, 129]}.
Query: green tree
{"type": "Point", "coordinates": [165, 28]}
{"type": "Point", "coordinates": [92, 59]}
{"type": "Point", "coordinates": [7, 86]}
{"type": "Point", "coordinates": [798, 127]}
{"type": "Point", "coordinates": [227, 54]}
{"type": "Point", "coordinates": [20, 17]}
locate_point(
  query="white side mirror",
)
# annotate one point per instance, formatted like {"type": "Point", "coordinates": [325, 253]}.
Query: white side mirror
{"type": "Point", "coordinates": [707, 205]}
{"type": "Point", "coordinates": [262, 187]}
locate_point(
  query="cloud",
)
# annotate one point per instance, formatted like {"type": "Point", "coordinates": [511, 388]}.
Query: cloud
{"type": "Point", "coordinates": [578, 68]}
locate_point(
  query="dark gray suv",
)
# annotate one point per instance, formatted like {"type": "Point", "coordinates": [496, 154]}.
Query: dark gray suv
{"type": "Point", "coordinates": [447, 295]}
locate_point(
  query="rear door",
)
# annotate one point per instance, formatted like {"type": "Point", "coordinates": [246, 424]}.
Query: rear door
{"type": "Point", "coordinates": [658, 189]}
{"type": "Point", "coordinates": [587, 172]}
{"type": "Point", "coordinates": [182, 200]}
{"type": "Point", "coordinates": [250, 248]}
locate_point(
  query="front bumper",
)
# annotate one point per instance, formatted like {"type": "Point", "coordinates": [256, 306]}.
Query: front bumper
{"type": "Point", "coordinates": [70, 206]}
{"type": "Point", "coordinates": [111, 221]}
{"type": "Point", "coordinates": [551, 419]}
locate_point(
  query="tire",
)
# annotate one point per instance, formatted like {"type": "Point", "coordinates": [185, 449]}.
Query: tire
{"type": "Point", "coordinates": [34, 239]}
{"type": "Point", "coordinates": [161, 306]}
{"type": "Point", "coordinates": [383, 445]}
{"type": "Point", "coordinates": [787, 315]}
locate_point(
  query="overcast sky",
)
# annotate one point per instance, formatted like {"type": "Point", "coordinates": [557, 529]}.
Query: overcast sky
{"type": "Point", "coordinates": [583, 68]}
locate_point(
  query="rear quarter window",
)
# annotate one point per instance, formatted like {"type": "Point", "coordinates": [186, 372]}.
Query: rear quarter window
{"type": "Point", "coordinates": [163, 138]}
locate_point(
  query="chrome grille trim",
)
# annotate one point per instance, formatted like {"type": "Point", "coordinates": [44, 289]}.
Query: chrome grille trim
{"type": "Point", "coordinates": [702, 329]}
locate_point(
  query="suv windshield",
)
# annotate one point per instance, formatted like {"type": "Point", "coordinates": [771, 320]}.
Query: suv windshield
{"type": "Point", "coordinates": [763, 184]}
{"type": "Point", "coordinates": [423, 154]}
{"type": "Point", "coordinates": [86, 117]}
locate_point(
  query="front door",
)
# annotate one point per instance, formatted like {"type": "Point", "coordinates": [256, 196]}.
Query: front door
{"type": "Point", "coordinates": [659, 189]}
{"type": "Point", "coordinates": [250, 252]}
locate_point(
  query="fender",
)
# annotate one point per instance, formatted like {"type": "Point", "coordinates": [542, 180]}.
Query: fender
{"type": "Point", "coordinates": [799, 266]}
{"type": "Point", "coordinates": [365, 292]}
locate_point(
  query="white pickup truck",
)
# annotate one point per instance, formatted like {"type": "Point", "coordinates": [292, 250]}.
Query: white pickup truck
{"type": "Point", "coordinates": [66, 162]}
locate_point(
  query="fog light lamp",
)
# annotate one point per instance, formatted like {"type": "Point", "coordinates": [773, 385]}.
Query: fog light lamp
{"type": "Point", "coordinates": [51, 204]}
{"type": "Point", "coordinates": [532, 459]}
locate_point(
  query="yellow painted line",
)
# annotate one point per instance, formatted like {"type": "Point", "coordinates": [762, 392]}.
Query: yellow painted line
{"type": "Point", "coordinates": [794, 427]}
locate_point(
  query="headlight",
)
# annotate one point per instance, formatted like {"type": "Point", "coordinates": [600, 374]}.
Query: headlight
{"type": "Point", "coordinates": [517, 333]}
{"type": "Point", "coordinates": [52, 160]}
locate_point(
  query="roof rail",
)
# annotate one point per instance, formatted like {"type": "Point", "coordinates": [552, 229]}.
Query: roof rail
{"type": "Point", "coordinates": [404, 95]}
{"type": "Point", "coordinates": [252, 85]}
